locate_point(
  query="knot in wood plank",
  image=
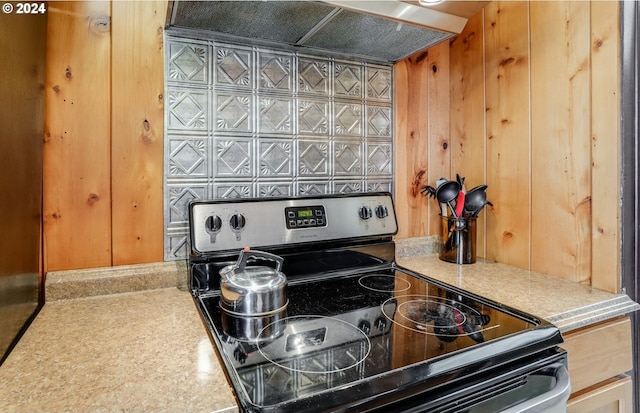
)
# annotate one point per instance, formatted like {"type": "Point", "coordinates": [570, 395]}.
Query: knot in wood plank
{"type": "Point", "coordinates": [92, 199]}
{"type": "Point", "coordinates": [100, 24]}
{"type": "Point", "coordinates": [147, 133]}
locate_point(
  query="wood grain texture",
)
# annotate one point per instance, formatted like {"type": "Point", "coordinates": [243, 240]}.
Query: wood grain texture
{"type": "Point", "coordinates": [605, 152]}
{"type": "Point", "coordinates": [77, 164]}
{"type": "Point", "coordinates": [137, 131]}
{"type": "Point", "coordinates": [508, 132]}
{"type": "Point", "coordinates": [561, 139]}
{"type": "Point", "coordinates": [599, 352]}
{"type": "Point", "coordinates": [421, 85]}
{"type": "Point", "coordinates": [467, 103]}
{"type": "Point", "coordinates": [411, 144]}
{"type": "Point", "coordinates": [438, 127]}
{"type": "Point", "coordinates": [614, 395]}
{"type": "Point", "coordinates": [535, 114]}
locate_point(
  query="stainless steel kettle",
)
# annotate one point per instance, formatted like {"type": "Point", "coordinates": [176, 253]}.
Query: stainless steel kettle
{"type": "Point", "coordinates": [253, 290]}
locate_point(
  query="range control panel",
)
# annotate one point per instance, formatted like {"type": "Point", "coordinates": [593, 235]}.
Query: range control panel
{"type": "Point", "coordinates": [233, 224]}
{"type": "Point", "coordinates": [305, 217]}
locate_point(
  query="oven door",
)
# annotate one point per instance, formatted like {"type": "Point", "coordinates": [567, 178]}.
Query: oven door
{"type": "Point", "coordinates": [529, 386]}
{"type": "Point", "coordinates": [544, 391]}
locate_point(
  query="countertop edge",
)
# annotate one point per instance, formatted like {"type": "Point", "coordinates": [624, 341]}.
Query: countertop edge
{"type": "Point", "coordinates": [89, 282]}
{"type": "Point", "coordinates": [563, 303]}
{"type": "Point", "coordinates": [594, 313]}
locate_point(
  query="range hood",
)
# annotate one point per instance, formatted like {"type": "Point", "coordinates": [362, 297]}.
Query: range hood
{"type": "Point", "coordinates": [376, 31]}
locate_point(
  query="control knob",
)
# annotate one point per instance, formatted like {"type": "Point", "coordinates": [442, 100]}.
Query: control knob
{"type": "Point", "coordinates": [364, 326]}
{"type": "Point", "coordinates": [237, 222]}
{"type": "Point", "coordinates": [380, 323]}
{"type": "Point", "coordinates": [381, 211]}
{"type": "Point", "coordinates": [365, 212]}
{"type": "Point", "coordinates": [212, 225]}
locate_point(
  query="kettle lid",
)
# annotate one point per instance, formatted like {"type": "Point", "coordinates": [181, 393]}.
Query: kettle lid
{"type": "Point", "coordinates": [254, 276]}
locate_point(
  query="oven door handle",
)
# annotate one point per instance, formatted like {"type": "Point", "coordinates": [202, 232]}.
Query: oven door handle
{"type": "Point", "coordinates": [554, 400]}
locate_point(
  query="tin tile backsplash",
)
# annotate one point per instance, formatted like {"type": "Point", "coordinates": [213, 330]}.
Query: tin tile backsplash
{"type": "Point", "coordinates": [245, 121]}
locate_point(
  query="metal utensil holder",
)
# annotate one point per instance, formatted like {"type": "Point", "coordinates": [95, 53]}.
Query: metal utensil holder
{"type": "Point", "coordinates": [458, 240]}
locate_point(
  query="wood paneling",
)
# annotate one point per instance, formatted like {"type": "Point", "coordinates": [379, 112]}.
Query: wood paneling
{"type": "Point", "coordinates": [561, 139]}
{"type": "Point", "coordinates": [468, 112]}
{"type": "Point", "coordinates": [137, 131]}
{"type": "Point", "coordinates": [77, 162]}
{"type": "Point", "coordinates": [525, 99]}
{"type": "Point", "coordinates": [605, 120]}
{"type": "Point", "coordinates": [410, 102]}
{"type": "Point", "coordinates": [421, 87]}
{"type": "Point", "coordinates": [534, 114]}
{"type": "Point", "coordinates": [508, 132]}
{"type": "Point", "coordinates": [438, 126]}
{"type": "Point", "coordinates": [104, 128]}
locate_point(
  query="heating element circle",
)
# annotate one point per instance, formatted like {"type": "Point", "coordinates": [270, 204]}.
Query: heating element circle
{"type": "Point", "coordinates": [316, 344]}
{"type": "Point", "coordinates": [384, 283]}
{"type": "Point", "coordinates": [438, 316]}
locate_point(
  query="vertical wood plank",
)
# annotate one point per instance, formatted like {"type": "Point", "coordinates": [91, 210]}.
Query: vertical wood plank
{"type": "Point", "coordinates": [605, 170]}
{"type": "Point", "coordinates": [467, 144]}
{"type": "Point", "coordinates": [438, 127]}
{"type": "Point", "coordinates": [137, 130]}
{"type": "Point", "coordinates": [561, 139]}
{"type": "Point", "coordinates": [411, 144]}
{"type": "Point", "coordinates": [508, 141]}
{"type": "Point", "coordinates": [77, 200]}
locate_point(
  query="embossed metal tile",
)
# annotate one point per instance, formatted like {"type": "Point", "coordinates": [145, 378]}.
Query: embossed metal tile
{"type": "Point", "coordinates": [246, 121]}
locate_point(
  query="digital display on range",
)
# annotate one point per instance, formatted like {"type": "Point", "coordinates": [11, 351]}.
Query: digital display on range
{"type": "Point", "coordinates": [305, 217]}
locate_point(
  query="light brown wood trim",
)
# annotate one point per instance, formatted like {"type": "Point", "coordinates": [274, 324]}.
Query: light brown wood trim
{"type": "Point", "coordinates": [605, 152]}
{"type": "Point", "coordinates": [614, 395]}
{"type": "Point", "coordinates": [137, 124]}
{"type": "Point", "coordinates": [599, 352]}
{"type": "Point", "coordinates": [77, 149]}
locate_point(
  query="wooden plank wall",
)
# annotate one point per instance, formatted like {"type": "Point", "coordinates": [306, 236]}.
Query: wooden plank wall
{"type": "Point", "coordinates": [507, 104]}
{"type": "Point", "coordinates": [525, 99]}
{"type": "Point", "coordinates": [468, 143]}
{"type": "Point", "coordinates": [103, 134]}
{"type": "Point", "coordinates": [534, 113]}
{"type": "Point", "coordinates": [137, 125]}
{"type": "Point", "coordinates": [422, 136]}
{"type": "Point", "coordinates": [77, 162]}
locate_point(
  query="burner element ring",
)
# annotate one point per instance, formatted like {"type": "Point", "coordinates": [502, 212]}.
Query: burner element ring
{"type": "Point", "coordinates": [313, 344]}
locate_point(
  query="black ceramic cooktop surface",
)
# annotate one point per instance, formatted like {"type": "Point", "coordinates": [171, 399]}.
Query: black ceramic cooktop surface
{"type": "Point", "coordinates": [343, 332]}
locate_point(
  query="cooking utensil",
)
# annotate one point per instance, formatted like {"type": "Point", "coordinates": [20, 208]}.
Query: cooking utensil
{"type": "Point", "coordinates": [447, 192]}
{"type": "Point", "coordinates": [248, 290]}
{"type": "Point", "coordinates": [428, 191]}
{"type": "Point", "coordinates": [475, 200]}
{"type": "Point", "coordinates": [460, 203]}
{"type": "Point", "coordinates": [460, 180]}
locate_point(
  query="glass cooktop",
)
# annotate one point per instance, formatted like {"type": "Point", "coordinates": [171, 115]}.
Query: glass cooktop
{"type": "Point", "coordinates": [340, 334]}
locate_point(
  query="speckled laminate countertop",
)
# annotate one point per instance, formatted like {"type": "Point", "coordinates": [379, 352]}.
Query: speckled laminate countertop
{"type": "Point", "coordinates": [564, 303]}
{"type": "Point", "coordinates": [141, 351]}
{"type": "Point", "coordinates": [105, 341]}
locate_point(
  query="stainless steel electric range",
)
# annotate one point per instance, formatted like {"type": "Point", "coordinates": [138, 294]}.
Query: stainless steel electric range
{"type": "Point", "coordinates": [358, 332]}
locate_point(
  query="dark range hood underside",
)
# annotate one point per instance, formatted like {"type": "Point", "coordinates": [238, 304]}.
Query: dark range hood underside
{"type": "Point", "coordinates": [319, 27]}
